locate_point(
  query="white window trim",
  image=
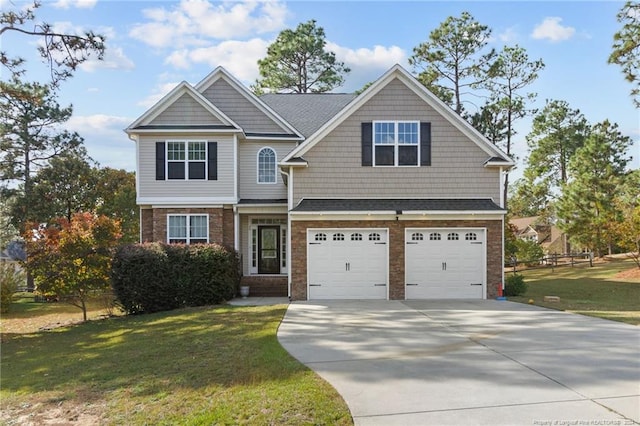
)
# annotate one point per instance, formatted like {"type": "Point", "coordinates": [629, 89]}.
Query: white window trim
{"type": "Point", "coordinates": [188, 216]}
{"type": "Point", "coordinates": [186, 158]}
{"type": "Point", "coordinates": [275, 173]}
{"type": "Point", "coordinates": [395, 144]}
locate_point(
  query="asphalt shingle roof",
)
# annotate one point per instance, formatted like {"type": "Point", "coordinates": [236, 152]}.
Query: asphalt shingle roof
{"type": "Point", "coordinates": [371, 204]}
{"type": "Point", "coordinates": [307, 112]}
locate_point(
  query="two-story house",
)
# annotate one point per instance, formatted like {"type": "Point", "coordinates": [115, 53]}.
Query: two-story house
{"type": "Point", "coordinates": [385, 195]}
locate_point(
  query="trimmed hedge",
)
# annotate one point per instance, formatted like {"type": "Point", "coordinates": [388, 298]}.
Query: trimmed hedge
{"type": "Point", "coordinates": [155, 277]}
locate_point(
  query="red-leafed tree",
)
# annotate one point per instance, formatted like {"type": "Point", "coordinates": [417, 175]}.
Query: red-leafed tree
{"type": "Point", "coordinates": [72, 259]}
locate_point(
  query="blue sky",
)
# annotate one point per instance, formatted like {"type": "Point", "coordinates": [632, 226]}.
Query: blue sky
{"type": "Point", "coordinates": [152, 46]}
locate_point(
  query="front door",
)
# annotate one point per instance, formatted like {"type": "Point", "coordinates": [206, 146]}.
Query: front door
{"type": "Point", "coordinates": [268, 249]}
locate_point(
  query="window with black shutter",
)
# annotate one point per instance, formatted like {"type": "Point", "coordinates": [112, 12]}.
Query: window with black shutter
{"type": "Point", "coordinates": [396, 143]}
{"type": "Point", "coordinates": [186, 160]}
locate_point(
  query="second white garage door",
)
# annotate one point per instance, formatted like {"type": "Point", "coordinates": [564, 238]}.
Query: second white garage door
{"type": "Point", "coordinates": [347, 263]}
{"type": "Point", "coordinates": [445, 263]}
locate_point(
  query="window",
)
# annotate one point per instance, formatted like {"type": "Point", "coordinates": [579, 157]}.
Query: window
{"type": "Point", "coordinates": [453, 236]}
{"type": "Point", "coordinates": [396, 143]}
{"type": "Point", "coordinates": [338, 237]}
{"type": "Point", "coordinates": [356, 237]}
{"type": "Point", "coordinates": [188, 229]}
{"type": "Point", "coordinates": [374, 236]}
{"type": "Point", "coordinates": [186, 160]}
{"type": "Point", "coordinates": [320, 237]}
{"type": "Point", "coordinates": [417, 236]}
{"type": "Point", "coordinates": [470, 236]}
{"type": "Point", "coordinates": [266, 165]}
{"type": "Point", "coordinates": [435, 236]}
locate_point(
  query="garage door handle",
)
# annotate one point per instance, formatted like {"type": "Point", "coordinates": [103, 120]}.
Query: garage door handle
{"type": "Point", "coordinates": [315, 285]}
{"type": "Point", "coordinates": [477, 242]}
{"type": "Point", "coordinates": [379, 285]}
{"type": "Point", "coordinates": [411, 284]}
{"type": "Point", "coordinates": [381, 243]}
{"type": "Point", "coordinates": [475, 284]}
{"type": "Point", "coordinates": [314, 243]}
{"type": "Point", "coordinates": [411, 242]}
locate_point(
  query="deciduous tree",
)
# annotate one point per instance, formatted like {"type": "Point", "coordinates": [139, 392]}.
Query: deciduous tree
{"type": "Point", "coordinates": [298, 62]}
{"type": "Point", "coordinates": [72, 259]}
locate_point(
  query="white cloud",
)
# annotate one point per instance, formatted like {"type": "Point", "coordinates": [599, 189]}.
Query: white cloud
{"type": "Point", "coordinates": [157, 93]}
{"type": "Point", "coordinates": [551, 29]}
{"type": "Point", "coordinates": [509, 35]}
{"type": "Point", "coordinates": [114, 58]}
{"type": "Point", "coordinates": [238, 57]}
{"type": "Point", "coordinates": [379, 57]}
{"type": "Point", "coordinates": [192, 22]}
{"type": "Point", "coordinates": [80, 4]}
{"type": "Point", "coordinates": [105, 140]}
{"type": "Point", "coordinates": [367, 64]}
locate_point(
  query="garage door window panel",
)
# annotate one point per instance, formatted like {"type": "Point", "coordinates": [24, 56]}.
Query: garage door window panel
{"type": "Point", "coordinates": [453, 236]}
{"type": "Point", "coordinates": [435, 236]}
{"type": "Point", "coordinates": [374, 237]}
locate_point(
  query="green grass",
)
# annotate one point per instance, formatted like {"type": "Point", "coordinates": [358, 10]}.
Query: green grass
{"type": "Point", "coordinates": [215, 365]}
{"type": "Point", "coordinates": [587, 290]}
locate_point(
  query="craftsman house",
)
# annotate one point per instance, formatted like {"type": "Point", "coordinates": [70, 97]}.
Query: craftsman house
{"type": "Point", "coordinates": [385, 195]}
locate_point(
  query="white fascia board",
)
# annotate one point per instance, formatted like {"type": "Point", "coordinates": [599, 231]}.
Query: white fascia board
{"type": "Point", "coordinates": [167, 100]}
{"type": "Point", "coordinates": [184, 131]}
{"type": "Point", "coordinates": [454, 213]}
{"type": "Point", "coordinates": [185, 201]}
{"type": "Point", "coordinates": [274, 138]}
{"type": "Point", "coordinates": [221, 72]}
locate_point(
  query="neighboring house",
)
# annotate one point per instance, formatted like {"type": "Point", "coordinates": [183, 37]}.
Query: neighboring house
{"type": "Point", "coordinates": [384, 195]}
{"type": "Point", "coordinates": [549, 237]}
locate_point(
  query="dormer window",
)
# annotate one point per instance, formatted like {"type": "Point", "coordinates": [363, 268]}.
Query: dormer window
{"type": "Point", "coordinates": [267, 165]}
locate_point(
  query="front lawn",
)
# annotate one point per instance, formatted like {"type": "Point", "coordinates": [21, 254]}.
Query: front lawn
{"type": "Point", "coordinates": [601, 291]}
{"type": "Point", "coordinates": [214, 365]}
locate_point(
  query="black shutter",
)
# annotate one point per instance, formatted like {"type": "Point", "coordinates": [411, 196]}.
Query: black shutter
{"type": "Point", "coordinates": [425, 144]}
{"type": "Point", "coordinates": [160, 163]}
{"type": "Point", "coordinates": [212, 154]}
{"type": "Point", "coordinates": [367, 144]}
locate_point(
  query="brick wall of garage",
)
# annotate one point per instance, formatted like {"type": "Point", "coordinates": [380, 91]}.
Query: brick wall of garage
{"type": "Point", "coordinates": [396, 250]}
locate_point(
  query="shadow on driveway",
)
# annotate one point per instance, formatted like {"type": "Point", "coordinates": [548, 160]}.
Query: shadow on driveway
{"type": "Point", "coordinates": [468, 362]}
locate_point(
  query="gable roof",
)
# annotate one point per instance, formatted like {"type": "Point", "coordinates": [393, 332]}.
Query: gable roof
{"type": "Point", "coordinates": [307, 112]}
{"type": "Point", "coordinates": [221, 73]}
{"type": "Point", "coordinates": [143, 122]}
{"type": "Point", "coordinates": [398, 72]}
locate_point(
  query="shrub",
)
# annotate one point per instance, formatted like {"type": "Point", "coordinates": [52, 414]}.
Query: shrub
{"type": "Point", "coordinates": [11, 279]}
{"type": "Point", "coordinates": [158, 277]}
{"type": "Point", "coordinates": [515, 285]}
{"type": "Point", "coordinates": [528, 252]}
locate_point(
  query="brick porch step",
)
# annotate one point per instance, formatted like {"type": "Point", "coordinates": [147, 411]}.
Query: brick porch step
{"type": "Point", "coordinates": [265, 286]}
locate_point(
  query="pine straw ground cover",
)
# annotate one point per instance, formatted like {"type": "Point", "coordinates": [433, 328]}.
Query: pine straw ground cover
{"type": "Point", "coordinates": [610, 289]}
{"type": "Point", "coordinates": [196, 366]}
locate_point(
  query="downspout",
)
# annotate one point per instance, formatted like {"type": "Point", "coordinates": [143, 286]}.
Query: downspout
{"type": "Point", "coordinates": [289, 175]}
{"type": "Point", "coordinates": [236, 228]}
{"type": "Point", "coordinates": [502, 200]}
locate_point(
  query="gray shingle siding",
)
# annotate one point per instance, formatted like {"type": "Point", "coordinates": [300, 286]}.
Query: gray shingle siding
{"type": "Point", "coordinates": [399, 204]}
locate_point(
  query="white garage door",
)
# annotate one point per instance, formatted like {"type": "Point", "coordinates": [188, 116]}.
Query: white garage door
{"type": "Point", "coordinates": [347, 263]}
{"type": "Point", "coordinates": [445, 263]}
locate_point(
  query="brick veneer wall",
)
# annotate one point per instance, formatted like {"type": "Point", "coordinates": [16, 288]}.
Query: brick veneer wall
{"type": "Point", "coordinates": [154, 224]}
{"type": "Point", "coordinates": [396, 250]}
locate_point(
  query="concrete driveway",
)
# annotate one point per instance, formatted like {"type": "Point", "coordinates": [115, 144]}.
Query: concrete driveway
{"type": "Point", "coordinates": [469, 362]}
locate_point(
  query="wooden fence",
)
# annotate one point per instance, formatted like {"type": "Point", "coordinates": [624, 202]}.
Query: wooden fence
{"type": "Point", "coordinates": [550, 261]}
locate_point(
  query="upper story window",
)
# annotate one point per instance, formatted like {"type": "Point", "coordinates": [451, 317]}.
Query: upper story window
{"type": "Point", "coordinates": [188, 229]}
{"type": "Point", "coordinates": [396, 143]}
{"type": "Point", "coordinates": [267, 165]}
{"type": "Point", "coordinates": [186, 160]}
